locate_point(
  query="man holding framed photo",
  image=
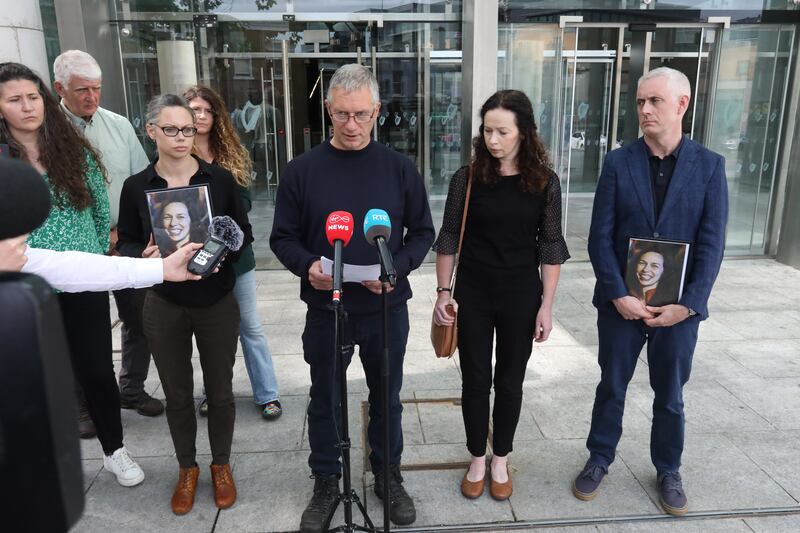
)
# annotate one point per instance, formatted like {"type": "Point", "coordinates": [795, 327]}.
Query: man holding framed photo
{"type": "Point", "coordinates": [679, 194]}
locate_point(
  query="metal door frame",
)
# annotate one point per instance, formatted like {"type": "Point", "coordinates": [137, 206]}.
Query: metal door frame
{"type": "Point", "coordinates": [719, 24]}
{"type": "Point", "coordinates": [577, 23]}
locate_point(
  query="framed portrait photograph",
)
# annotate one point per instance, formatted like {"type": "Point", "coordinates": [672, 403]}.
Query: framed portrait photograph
{"type": "Point", "coordinates": [179, 216]}
{"type": "Point", "coordinates": [656, 270]}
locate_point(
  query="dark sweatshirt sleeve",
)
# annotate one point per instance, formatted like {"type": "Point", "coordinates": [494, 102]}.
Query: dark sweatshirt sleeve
{"type": "Point", "coordinates": [287, 228]}
{"type": "Point", "coordinates": [131, 240]}
{"type": "Point", "coordinates": [417, 220]}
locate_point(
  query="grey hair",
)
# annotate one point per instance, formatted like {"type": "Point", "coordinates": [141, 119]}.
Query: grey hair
{"type": "Point", "coordinates": [352, 78]}
{"type": "Point", "coordinates": [677, 80]}
{"type": "Point", "coordinates": [159, 102]}
{"type": "Point", "coordinates": [75, 63]}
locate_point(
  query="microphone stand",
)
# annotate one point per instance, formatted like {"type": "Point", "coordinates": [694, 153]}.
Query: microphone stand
{"type": "Point", "coordinates": [387, 277]}
{"type": "Point", "coordinates": [348, 496]}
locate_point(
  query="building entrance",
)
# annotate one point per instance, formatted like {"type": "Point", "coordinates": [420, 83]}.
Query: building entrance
{"type": "Point", "coordinates": [582, 80]}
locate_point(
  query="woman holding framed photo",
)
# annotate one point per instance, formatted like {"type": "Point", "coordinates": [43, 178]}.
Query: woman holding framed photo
{"type": "Point", "coordinates": [217, 143]}
{"type": "Point", "coordinates": [174, 313]}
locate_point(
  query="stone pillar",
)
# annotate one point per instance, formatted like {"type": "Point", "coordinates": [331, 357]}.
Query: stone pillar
{"type": "Point", "coordinates": [176, 66]}
{"type": "Point", "coordinates": [22, 37]}
{"type": "Point", "coordinates": [478, 65]}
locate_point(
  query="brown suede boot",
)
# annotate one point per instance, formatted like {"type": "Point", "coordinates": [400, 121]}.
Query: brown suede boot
{"type": "Point", "coordinates": [224, 488]}
{"type": "Point", "coordinates": [183, 497]}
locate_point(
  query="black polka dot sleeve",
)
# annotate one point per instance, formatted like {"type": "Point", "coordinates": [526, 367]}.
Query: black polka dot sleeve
{"type": "Point", "coordinates": [552, 246]}
{"type": "Point", "coordinates": [447, 241]}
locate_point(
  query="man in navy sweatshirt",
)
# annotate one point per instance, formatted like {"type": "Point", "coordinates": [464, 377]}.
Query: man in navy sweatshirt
{"type": "Point", "coordinates": [351, 173]}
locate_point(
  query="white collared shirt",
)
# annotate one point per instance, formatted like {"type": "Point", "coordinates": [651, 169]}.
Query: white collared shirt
{"type": "Point", "coordinates": [113, 137]}
{"type": "Point", "coordinates": [79, 271]}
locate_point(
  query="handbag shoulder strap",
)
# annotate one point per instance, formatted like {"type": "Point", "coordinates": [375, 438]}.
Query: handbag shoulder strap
{"type": "Point", "coordinates": [463, 226]}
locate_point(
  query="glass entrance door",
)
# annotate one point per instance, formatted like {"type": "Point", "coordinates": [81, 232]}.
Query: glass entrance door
{"type": "Point", "coordinates": [310, 78]}
{"type": "Point", "coordinates": [595, 87]}
{"type": "Point", "coordinates": [589, 103]}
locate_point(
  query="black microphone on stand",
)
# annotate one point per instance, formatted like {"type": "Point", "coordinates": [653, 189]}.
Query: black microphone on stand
{"type": "Point", "coordinates": [339, 230]}
{"type": "Point", "coordinates": [377, 230]}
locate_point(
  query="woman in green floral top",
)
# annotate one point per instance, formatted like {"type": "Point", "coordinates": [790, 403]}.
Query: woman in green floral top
{"type": "Point", "coordinates": [37, 132]}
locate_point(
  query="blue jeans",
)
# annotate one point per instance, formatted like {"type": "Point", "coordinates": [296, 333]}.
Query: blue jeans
{"type": "Point", "coordinates": [257, 357]}
{"type": "Point", "coordinates": [669, 360]}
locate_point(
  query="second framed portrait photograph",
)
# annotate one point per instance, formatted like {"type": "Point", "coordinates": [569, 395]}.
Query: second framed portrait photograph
{"type": "Point", "coordinates": [179, 216]}
{"type": "Point", "coordinates": [656, 270]}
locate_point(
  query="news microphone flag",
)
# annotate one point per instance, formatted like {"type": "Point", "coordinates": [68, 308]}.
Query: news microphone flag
{"type": "Point", "coordinates": [377, 224]}
{"type": "Point", "coordinates": [338, 230]}
{"type": "Point", "coordinates": [339, 226]}
{"type": "Point", "coordinates": [377, 230]}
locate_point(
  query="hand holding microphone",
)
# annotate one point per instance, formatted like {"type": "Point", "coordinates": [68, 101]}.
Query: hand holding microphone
{"type": "Point", "coordinates": [223, 235]}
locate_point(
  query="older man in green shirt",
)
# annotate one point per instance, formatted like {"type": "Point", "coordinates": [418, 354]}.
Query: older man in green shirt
{"type": "Point", "coordinates": [78, 82]}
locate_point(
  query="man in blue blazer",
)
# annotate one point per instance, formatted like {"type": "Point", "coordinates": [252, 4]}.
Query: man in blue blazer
{"type": "Point", "coordinates": [663, 186]}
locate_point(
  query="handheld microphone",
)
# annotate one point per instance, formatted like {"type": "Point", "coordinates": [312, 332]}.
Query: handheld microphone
{"type": "Point", "coordinates": [224, 234]}
{"type": "Point", "coordinates": [377, 230]}
{"type": "Point", "coordinates": [339, 230]}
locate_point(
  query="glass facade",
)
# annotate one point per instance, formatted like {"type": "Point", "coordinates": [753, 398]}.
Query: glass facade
{"type": "Point", "coordinates": [272, 61]}
{"type": "Point", "coordinates": [579, 78]}
{"type": "Point", "coordinates": [296, 6]}
{"type": "Point", "coordinates": [273, 74]}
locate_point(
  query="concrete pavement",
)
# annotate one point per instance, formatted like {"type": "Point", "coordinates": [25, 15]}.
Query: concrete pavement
{"type": "Point", "coordinates": [742, 458]}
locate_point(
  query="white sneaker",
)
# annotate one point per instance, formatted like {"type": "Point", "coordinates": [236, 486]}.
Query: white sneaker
{"type": "Point", "coordinates": [122, 465]}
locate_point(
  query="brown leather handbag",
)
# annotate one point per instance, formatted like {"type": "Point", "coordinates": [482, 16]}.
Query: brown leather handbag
{"type": "Point", "coordinates": [445, 338]}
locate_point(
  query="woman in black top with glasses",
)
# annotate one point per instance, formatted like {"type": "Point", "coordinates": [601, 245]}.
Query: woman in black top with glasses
{"type": "Point", "coordinates": [174, 313]}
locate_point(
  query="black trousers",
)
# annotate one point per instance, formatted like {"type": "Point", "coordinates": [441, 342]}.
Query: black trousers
{"type": "Point", "coordinates": [506, 304]}
{"type": "Point", "coordinates": [87, 324]}
{"type": "Point", "coordinates": [135, 352]}
{"type": "Point", "coordinates": [366, 331]}
{"type": "Point", "coordinates": [169, 329]}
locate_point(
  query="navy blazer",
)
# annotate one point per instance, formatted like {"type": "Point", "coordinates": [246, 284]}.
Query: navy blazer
{"type": "Point", "coordinates": [695, 209]}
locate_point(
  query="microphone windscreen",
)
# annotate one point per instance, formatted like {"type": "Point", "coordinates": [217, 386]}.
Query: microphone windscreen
{"type": "Point", "coordinates": [24, 198]}
{"type": "Point", "coordinates": [228, 231]}
{"type": "Point", "coordinates": [377, 224]}
{"type": "Point", "coordinates": [339, 227]}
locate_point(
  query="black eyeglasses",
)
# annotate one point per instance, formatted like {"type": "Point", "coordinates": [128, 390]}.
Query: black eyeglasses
{"type": "Point", "coordinates": [172, 131]}
{"type": "Point", "coordinates": [362, 117]}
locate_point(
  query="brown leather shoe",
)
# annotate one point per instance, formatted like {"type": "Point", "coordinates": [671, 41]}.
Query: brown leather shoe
{"type": "Point", "coordinates": [224, 488]}
{"type": "Point", "coordinates": [472, 489]}
{"type": "Point", "coordinates": [183, 497]}
{"type": "Point", "coordinates": [501, 491]}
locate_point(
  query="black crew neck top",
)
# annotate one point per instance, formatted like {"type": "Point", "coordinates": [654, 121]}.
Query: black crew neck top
{"type": "Point", "coordinates": [506, 228]}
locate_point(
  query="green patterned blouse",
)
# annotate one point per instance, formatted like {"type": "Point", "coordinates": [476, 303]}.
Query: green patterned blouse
{"type": "Point", "coordinates": [67, 228]}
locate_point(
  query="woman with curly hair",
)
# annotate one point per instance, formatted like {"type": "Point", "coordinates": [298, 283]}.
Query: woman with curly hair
{"type": "Point", "coordinates": [512, 232]}
{"type": "Point", "coordinates": [217, 142]}
{"type": "Point", "coordinates": [38, 132]}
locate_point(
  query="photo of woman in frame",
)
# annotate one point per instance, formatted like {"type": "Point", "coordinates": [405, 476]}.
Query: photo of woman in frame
{"type": "Point", "coordinates": [655, 271]}
{"type": "Point", "coordinates": [179, 216]}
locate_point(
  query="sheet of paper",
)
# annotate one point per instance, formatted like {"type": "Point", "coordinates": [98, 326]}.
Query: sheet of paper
{"type": "Point", "coordinates": [353, 273]}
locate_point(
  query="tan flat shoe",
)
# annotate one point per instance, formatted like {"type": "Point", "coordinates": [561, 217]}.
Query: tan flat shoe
{"type": "Point", "coordinates": [472, 489]}
{"type": "Point", "coordinates": [501, 491]}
